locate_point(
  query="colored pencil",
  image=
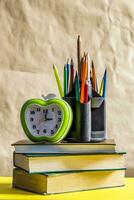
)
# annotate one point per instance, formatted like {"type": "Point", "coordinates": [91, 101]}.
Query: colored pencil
{"type": "Point", "coordinates": [88, 66]}
{"type": "Point", "coordinates": [101, 87]}
{"type": "Point", "coordinates": [65, 81]}
{"type": "Point", "coordinates": [58, 80]}
{"type": "Point", "coordinates": [71, 76]}
{"type": "Point", "coordinates": [91, 79]}
{"type": "Point", "coordinates": [68, 74]}
{"type": "Point", "coordinates": [94, 80]}
{"type": "Point", "coordinates": [84, 77]}
{"type": "Point", "coordinates": [79, 55]}
{"type": "Point", "coordinates": [86, 92]}
{"type": "Point", "coordinates": [77, 87]}
{"type": "Point", "coordinates": [105, 82]}
{"type": "Point", "coordinates": [82, 61]}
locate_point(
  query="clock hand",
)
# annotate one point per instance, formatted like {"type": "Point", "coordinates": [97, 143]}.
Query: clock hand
{"type": "Point", "coordinates": [46, 113]}
{"type": "Point", "coordinates": [48, 119]}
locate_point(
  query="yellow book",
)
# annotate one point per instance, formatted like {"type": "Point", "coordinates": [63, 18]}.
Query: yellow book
{"type": "Point", "coordinates": [39, 163]}
{"type": "Point", "coordinates": [67, 182]}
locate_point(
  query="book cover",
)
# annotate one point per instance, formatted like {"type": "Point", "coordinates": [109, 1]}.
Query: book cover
{"type": "Point", "coordinates": [39, 163]}
{"type": "Point", "coordinates": [26, 146]}
{"type": "Point", "coordinates": [67, 182]}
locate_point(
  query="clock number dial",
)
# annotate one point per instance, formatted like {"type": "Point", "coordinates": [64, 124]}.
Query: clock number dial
{"type": "Point", "coordinates": [59, 112]}
{"type": "Point", "coordinates": [34, 126]}
{"type": "Point", "coordinates": [44, 121]}
{"type": "Point", "coordinates": [38, 109]}
{"type": "Point", "coordinates": [32, 112]}
{"type": "Point", "coordinates": [31, 119]}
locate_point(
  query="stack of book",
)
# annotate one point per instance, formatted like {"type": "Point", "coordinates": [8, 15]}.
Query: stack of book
{"type": "Point", "coordinates": [67, 167]}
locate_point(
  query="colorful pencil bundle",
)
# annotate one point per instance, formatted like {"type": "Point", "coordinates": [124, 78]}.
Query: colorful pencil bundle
{"type": "Point", "coordinates": [80, 83]}
{"type": "Point", "coordinates": [68, 77]}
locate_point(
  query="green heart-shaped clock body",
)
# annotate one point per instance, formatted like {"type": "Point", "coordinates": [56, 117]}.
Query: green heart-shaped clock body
{"type": "Point", "coordinates": [48, 121]}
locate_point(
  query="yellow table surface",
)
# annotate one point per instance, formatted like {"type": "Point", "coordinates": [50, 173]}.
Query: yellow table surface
{"type": "Point", "coordinates": [120, 193]}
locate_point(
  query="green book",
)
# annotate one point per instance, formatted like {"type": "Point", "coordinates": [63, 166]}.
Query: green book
{"type": "Point", "coordinates": [40, 163]}
{"type": "Point", "coordinates": [26, 146]}
{"type": "Point", "coordinates": [67, 182]}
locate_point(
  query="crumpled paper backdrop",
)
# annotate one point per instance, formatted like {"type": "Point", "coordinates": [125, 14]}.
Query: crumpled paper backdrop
{"type": "Point", "coordinates": [36, 34]}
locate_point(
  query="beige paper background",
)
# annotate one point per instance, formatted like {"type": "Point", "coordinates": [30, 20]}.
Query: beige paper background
{"type": "Point", "coordinates": [35, 34]}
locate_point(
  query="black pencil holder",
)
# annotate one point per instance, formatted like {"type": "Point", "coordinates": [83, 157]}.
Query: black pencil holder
{"type": "Point", "coordinates": [71, 101]}
{"type": "Point", "coordinates": [98, 119]}
{"type": "Point", "coordinates": [82, 122]}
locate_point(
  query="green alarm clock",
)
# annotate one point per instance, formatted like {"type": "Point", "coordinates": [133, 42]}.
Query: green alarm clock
{"type": "Point", "coordinates": [46, 120]}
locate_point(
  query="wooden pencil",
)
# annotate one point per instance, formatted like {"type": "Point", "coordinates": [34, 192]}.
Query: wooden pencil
{"type": "Point", "coordinates": [94, 80]}
{"type": "Point", "coordinates": [86, 92]}
{"type": "Point", "coordinates": [84, 77]}
{"type": "Point", "coordinates": [71, 76]}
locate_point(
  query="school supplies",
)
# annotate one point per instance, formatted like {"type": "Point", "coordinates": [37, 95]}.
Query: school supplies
{"type": "Point", "coordinates": [86, 159]}
{"type": "Point", "coordinates": [58, 80]}
{"type": "Point", "coordinates": [81, 91]}
{"type": "Point", "coordinates": [40, 167]}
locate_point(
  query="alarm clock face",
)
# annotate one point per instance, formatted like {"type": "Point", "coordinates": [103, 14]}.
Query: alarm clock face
{"type": "Point", "coordinates": [48, 121]}
{"type": "Point", "coordinates": [44, 121]}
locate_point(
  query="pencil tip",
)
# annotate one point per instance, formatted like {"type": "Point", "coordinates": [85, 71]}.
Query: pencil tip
{"type": "Point", "coordinates": [68, 61]}
{"type": "Point", "coordinates": [87, 57]}
{"type": "Point", "coordinates": [105, 72]}
{"type": "Point", "coordinates": [72, 63]}
{"type": "Point", "coordinates": [79, 38]}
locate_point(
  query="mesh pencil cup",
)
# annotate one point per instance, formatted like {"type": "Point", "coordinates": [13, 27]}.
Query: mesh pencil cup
{"type": "Point", "coordinates": [98, 119]}
{"type": "Point", "coordinates": [82, 122]}
{"type": "Point", "coordinates": [71, 101]}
